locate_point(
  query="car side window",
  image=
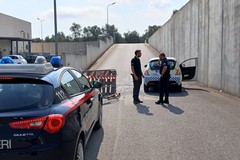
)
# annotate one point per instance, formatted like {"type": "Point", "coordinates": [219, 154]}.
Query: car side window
{"type": "Point", "coordinates": [13, 57]}
{"type": "Point", "coordinates": [172, 64]}
{"type": "Point", "coordinates": [69, 84]}
{"type": "Point", "coordinates": [154, 65]}
{"type": "Point", "coordinates": [82, 80]}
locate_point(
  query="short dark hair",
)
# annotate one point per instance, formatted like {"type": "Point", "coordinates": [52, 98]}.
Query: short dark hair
{"type": "Point", "coordinates": [162, 54]}
{"type": "Point", "coordinates": [137, 51]}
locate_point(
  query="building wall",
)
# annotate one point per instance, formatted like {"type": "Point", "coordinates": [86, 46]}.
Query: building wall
{"type": "Point", "coordinates": [16, 30]}
{"type": "Point", "coordinates": [209, 30]}
{"type": "Point", "coordinates": [14, 27]}
{"type": "Point", "coordinates": [76, 54]}
{"type": "Point", "coordinates": [5, 47]}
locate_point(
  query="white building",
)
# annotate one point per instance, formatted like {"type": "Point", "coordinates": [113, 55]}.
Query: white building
{"type": "Point", "coordinates": [15, 35]}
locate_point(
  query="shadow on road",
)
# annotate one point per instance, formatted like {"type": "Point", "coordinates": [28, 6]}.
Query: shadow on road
{"type": "Point", "coordinates": [142, 109]}
{"type": "Point", "coordinates": [93, 145]}
{"type": "Point", "coordinates": [195, 89]}
{"type": "Point", "coordinates": [173, 109]}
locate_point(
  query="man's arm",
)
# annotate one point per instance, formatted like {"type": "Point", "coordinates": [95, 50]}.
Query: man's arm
{"type": "Point", "coordinates": [164, 70]}
{"type": "Point", "coordinates": [134, 73]}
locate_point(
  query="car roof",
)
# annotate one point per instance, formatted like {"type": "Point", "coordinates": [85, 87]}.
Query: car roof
{"type": "Point", "coordinates": [14, 55]}
{"type": "Point", "coordinates": [157, 58]}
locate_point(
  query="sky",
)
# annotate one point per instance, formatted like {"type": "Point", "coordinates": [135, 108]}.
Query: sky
{"type": "Point", "coordinates": [125, 15]}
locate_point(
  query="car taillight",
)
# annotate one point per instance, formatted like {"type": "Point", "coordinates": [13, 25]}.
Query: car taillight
{"type": "Point", "coordinates": [36, 123]}
{"type": "Point", "coordinates": [178, 71]}
{"type": "Point", "coordinates": [6, 78]}
{"type": "Point", "coordinates": [53, 123]}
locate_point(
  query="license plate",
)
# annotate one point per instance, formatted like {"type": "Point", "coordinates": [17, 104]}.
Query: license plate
{"type": "Point", "coordinates": [5, 144]}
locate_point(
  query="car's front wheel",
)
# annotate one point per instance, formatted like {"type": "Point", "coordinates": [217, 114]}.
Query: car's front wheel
{"type": "Point", "coordinates": [80, 151]}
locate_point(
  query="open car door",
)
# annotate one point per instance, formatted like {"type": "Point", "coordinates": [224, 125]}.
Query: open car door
{"type": "Point", "coordinates": [188, 68]}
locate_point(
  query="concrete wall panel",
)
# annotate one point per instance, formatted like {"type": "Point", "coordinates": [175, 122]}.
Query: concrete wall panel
{"type": "Point", "coordinates": [209, 30]}
{"type": "Point", "coordinates": [231, 47]}
{"type": "Point", "coordinates": [76, 54]}
{"type": "Point", "coordinates": [215, 44]}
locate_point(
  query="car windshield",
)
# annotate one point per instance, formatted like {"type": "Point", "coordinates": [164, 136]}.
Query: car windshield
{"type": "Point", "coordinates": [16, 96]}
{"type": "Point", "coordinates": [154, 64]}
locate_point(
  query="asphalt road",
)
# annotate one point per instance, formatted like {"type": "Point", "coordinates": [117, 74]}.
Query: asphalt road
{"type": "Point", "coordinates": [199, 123]}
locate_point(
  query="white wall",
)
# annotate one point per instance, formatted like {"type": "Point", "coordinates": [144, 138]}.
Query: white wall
{"type": "Point", "coordinates": [5, 47]}
{"type": "Point", "coordinates": [76, 54]}
{"type": "Point", "coordinates": [209, 30]}
{"type": "Point", "coordinates": [14, 27]}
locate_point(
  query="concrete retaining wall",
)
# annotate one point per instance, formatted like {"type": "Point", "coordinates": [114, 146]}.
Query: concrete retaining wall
{"type": "Point", "coordinates": [209, 30]}
{"type": "Point", "coordinates": [76, 54]}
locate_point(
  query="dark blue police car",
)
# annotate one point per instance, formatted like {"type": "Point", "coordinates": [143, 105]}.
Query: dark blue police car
{"type": "Point", "coordinates": [46, 113]}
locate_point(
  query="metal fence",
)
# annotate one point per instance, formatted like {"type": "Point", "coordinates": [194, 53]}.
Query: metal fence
{"type": "Point", "coordinates": [108, 79]}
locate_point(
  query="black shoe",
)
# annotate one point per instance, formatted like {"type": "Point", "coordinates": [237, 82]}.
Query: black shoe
{"type": "Point", "coordinates": [135, 102]}
{"type": "Point", "coordinates": [159, 102]}
{"type": "Point", "coordinates": [167, 102]}
{"type": "Point", "coordinates": [140, 101]}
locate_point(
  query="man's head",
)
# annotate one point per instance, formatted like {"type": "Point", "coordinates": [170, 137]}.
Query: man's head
{"type": "Point", "coordinates": [138, 53]}
{"type": "Point", "coordinates": [162, 56]}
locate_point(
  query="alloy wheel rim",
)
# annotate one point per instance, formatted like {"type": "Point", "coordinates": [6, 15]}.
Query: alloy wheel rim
{"type": "Point", "coordinates": [80, 155]}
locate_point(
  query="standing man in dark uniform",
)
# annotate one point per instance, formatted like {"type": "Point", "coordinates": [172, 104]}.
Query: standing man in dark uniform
{"type": "Point", "coordinates": [164, 79]}
{"type": "Point", "coordinates": [137, 76]}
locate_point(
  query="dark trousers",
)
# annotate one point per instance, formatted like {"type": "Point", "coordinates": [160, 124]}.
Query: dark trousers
{"type": "Point", "coordinates": [163, 88]}
{"type": "Point", "coordinates": [136, 88]}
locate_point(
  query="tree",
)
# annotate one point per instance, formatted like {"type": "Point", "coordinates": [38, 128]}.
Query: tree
{"type": "Point", "coordinates": [110, 30]}
{"type": "Point", "coordinates": [132, 37]}
{"type": "Point", "coordinates": [61, 38]}
{"type": "Point", "coordinates": [36, 40]}
{"type": "Point", "coordinates": [76, 30]}
{"type": "Point", "coordinates": [149, 32]}
{"type": "Point", "coordinates": [48, 39]}
{"type": "Point", "coordinates": [118, 38]}
{"type": "Point", "coordinates": [91, 33]}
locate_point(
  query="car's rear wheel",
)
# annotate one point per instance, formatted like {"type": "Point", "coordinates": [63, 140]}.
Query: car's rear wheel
{"type": "Point", "coordinates": [146, 88]}
{"type": "Point", "coordinates": [80, 151]}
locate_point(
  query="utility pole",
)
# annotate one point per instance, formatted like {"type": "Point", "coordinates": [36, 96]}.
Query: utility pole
{"type": "Point", "coordinates": [107, 14]}
{"type": "Point", "coordinates": [41, 20]}
{"type": "Point", "coordinates": [55, 26]}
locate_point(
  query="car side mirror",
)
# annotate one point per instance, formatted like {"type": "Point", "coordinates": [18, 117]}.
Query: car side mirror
{"type": "Point", "coordinates": [145, 66]}
{"type": "Point", "coordinates": [96, 84]}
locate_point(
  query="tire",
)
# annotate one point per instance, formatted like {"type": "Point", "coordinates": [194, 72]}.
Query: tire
{"type": "Point", "coordinates": [80, 151]}
{"type": "Point", "coordinates": [146, 88]}
{"type": "Point", "coordinates": [179, 88]}
{"type": "Point", "coordinates": [98, 124]}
